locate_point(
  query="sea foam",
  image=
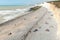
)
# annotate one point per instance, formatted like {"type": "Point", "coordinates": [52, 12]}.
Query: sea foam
{"type": "Point", "coordinates": [6, 15]}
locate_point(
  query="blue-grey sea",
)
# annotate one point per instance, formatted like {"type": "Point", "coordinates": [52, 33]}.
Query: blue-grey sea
{"type": "Point", "coordinates": [7, 7]}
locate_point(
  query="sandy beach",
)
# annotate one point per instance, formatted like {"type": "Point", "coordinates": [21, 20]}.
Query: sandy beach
{"type": "Point", "coordinates": [37, 25]}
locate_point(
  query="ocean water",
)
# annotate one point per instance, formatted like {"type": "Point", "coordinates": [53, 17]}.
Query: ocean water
{"type": "Point", "coordinates": [10, 12]}
{"type": "Point", "coordinates": [7, 7]}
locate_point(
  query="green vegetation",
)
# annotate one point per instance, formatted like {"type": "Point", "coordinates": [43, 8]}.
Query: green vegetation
{"type": "Point", "coordinates": [34, 8]}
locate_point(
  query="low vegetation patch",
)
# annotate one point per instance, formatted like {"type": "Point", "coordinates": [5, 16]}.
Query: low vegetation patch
{"type": "Point", "coordinates": [34, 8]}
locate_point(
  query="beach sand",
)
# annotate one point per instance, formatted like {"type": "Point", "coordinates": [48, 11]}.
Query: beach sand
{"type": "Point", "coordinates": [38, 25]}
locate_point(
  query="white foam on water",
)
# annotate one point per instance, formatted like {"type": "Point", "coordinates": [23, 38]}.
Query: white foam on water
{"type": "Point", "coordinates": [6, 15]}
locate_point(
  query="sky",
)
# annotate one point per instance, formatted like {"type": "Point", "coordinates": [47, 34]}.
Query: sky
{"type": "Point", "coordinates": [19, 2]}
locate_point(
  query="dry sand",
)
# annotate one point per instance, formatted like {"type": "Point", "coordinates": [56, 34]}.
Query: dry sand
{"type": "Point", "coordinates": [38, 25]}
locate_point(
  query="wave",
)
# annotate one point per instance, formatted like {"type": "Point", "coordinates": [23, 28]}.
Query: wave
{"type": "Point", "coordinates": [6, 15]}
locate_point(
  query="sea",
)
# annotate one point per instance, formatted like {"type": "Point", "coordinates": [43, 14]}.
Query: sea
{"type": "Point", "coordinates": [12, 7]}
{"type": "Point", "coordinates": [9, 12]}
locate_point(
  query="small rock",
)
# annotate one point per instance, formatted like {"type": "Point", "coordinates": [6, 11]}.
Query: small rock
{"type": "Point", "coordinates": [35, 30]}
{"type": "Point", "coordinates": [47, 30]}
{"type": "Point", "coordinates": [9, 33]}
{"type": "Point", "coordinates": [51, 15]}
{"type": "Point", "coordinates": [24, 18]}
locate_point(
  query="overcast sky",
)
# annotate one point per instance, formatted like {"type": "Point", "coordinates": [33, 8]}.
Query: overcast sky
{"type": "Point", "coordinates": [19, 2]}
